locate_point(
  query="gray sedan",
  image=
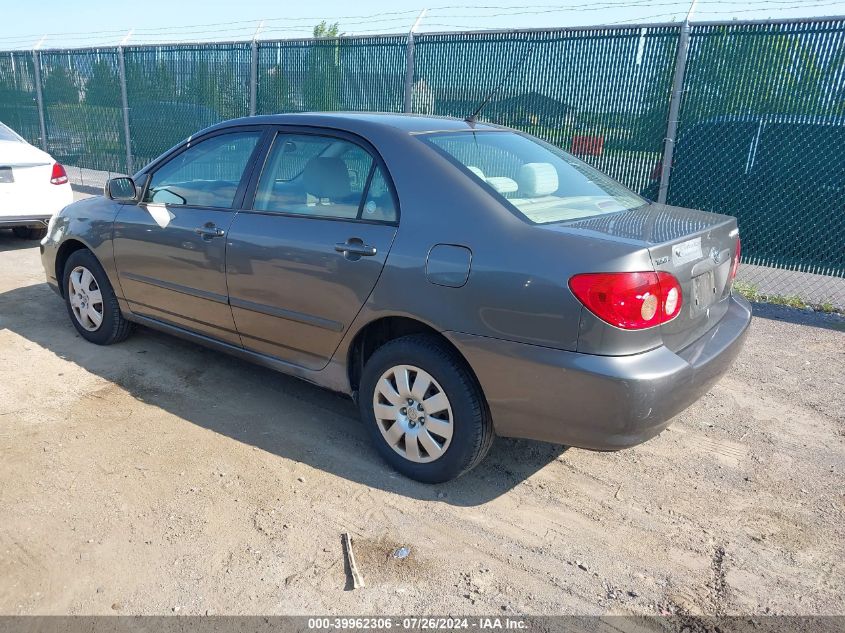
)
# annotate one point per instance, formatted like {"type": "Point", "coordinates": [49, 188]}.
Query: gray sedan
{"type": "Point", "coordinates": [460, 280]}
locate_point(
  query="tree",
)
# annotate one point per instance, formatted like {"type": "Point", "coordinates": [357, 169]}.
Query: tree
{"type": "Point", "coordinates": [59, 87]}
{"type": "Point", "coordinates": [17, 107]}
{"type": "Point", "coordinates": [216, 88]}
{"type": "Point", "coordinates": [273, 92]}
{"type": "Point", "coordinates": [739, 72]}
{"type": "Point", "coordinates": [321, 90]}
{"type": "Point", "coordinates": [323, 29]}
{"type": "Point", "coordinates": [10, 94]}
{"type": "Point", "coordinates": [103, 88]}
{"type": "Point", "coordinates": [199, 89]}
{"type": "Point", "coordinates": [147, 84]}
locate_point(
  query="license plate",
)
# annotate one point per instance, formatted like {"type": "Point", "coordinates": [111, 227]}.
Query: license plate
{"type": "Point", "coordinates": [6, 175]}
{"type": "Point", "coordinates": [703, 290]}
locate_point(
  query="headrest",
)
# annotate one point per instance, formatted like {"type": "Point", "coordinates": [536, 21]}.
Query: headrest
{"type": "Point", "coordinates": [476, 171]}
{"type": "Point", "coordinates": [503, 184]}
{"type": "Point", "coordinates": [537, 179]}
{"type": "Point", "coordinates": [326, 177]}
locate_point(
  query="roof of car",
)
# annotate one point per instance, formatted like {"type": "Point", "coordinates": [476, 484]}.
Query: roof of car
{"type": "Point", "coordinates": [409, 123]}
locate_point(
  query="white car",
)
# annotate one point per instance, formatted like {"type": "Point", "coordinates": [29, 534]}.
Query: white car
{"type": "Point", "coordinates": [33, 186]}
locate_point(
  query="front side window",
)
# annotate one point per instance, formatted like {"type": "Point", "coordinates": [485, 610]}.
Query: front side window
{"type": "Point", "coordinates": [207, 174]}
{"type": "Point", "coordinates": [543, 183]}
{"type": "Point", "coordinates": [323, 176]}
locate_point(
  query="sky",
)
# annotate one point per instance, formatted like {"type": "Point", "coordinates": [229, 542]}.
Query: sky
{"type": "Point", "coordinates": [59, 24]}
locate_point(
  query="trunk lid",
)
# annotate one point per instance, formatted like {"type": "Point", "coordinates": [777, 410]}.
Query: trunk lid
{"type": "Point", "coordinates": [696, 247]}
{"type": "Point", "coordinates": [25, 171]}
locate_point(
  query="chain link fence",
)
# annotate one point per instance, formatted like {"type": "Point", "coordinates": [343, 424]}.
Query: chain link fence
{"type": "Point", "coordinates": [762, 137]}
{"type": "Point", "coordinates": [366, 73]}
{"type": "Point", "coordinates": [760, 129]}
{"type": "Point", "coordinates": [18, 107]}
{"type": "Point", "coordinates": [601, 93]}
{"type": "Point", "coordinates": [173, 91]}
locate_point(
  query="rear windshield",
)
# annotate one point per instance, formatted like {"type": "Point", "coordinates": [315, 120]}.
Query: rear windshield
{"type": "Point", "coordinates": [6, 134]}
{"type": "Point", "coordinates": [543, 183]}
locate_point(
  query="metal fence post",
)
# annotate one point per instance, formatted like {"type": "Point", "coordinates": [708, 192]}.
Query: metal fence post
{"type": "Point", "coordinates": [674, 110]}
{"type": "Point", "coordinates": [124, 102]}
{"type": "Point", "coordinates": [39, 97]}
{"type": "Point", "coordinates": [253, 78]}
{"type": "Point", "coordinates": [409, 63]}
{"type": "Point", "coordinates": [409, 73]}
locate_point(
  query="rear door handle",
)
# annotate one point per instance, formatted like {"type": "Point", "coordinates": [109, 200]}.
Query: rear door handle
{"type": "Point", "coordinates": [355, 247]}
{"type": "Point", "coordinates": [209, 231]}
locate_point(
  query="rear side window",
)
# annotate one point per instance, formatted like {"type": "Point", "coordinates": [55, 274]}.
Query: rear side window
{"type": "Point", "coordinates": [207, 174]}
{"type": "Point", "coordinates": [323, 176]}
{"type": "Point", "coordinates": [7, 134]}
{"type": "Point", "coordinates": [543, 183]}
{"type": "Point", "coordinates": [379, 203]}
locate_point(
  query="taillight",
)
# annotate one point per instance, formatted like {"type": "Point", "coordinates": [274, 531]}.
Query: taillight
{"type": "Point", "coordinates": [631, 301]}
{"type": "Point", "coordinates": [59, 175]}
{"type": "Point", "coordinates": [735, 266]}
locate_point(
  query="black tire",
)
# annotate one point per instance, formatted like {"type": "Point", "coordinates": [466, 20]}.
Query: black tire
{"type": "Point", "coordinates": [26, 233]}
{"type": "Point", "coordinates": [113, 328]}
{"type": "Point", "coordinates": [472, 434]}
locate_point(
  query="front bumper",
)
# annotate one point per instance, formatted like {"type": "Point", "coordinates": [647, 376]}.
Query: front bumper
{"type": "Point", "coordinates": [49, 249]}
{"type": "Point", "coordinates": [599, 402]}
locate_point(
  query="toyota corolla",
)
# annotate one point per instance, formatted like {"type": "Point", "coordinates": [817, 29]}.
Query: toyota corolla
{"type": "Point", "coordinates": [460, 280]}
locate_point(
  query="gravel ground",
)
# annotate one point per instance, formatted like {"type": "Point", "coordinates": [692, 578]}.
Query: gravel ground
{"type": "Point", "coordinates": [158, 477]}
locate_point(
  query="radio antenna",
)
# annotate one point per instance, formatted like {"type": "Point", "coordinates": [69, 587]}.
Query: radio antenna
{"type": "Point", "coordinates": [471, 119]}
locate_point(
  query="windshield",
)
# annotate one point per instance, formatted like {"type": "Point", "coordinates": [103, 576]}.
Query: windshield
{"type": "Point", "coordinates": [543, 183]}
{"type": "Point", "coordinates": [6, 134]}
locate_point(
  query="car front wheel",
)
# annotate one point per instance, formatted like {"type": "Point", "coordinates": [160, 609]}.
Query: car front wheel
{"type": "Point", "coordinates": [424, 409]}
{"type": "Point", "coordinates": [91, 302]}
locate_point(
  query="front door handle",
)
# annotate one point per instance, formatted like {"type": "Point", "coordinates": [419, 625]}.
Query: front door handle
{"type": "Point", "coordinates": [354, 248]}
{"type": "Point", "coordinates": [209, 231]}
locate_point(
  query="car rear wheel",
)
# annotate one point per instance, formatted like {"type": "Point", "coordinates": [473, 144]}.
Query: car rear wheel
{"type": "Point", "coordinates": [26, 233]}
{"type": "Point", "coordinates": [91, 302]}
{"type": "Point", "coordinates": [424, 409]}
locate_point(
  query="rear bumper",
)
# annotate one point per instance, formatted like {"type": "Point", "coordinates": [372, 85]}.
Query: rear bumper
{"type": "Point", "coordinates": [33, 221]}
{"type": "Point", "coordinates": [599, 402]}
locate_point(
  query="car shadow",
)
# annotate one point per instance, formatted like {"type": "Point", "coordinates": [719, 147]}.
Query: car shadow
{"type": "Point", "coordinates": [254, 405]}
{"type": "Point", "coordinates": [8, 242]}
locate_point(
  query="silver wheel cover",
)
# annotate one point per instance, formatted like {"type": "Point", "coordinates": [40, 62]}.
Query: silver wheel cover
{"type": "Point", "coordinates": [86, 300]}
{"type": "Point", "coordinates": [413, 413]}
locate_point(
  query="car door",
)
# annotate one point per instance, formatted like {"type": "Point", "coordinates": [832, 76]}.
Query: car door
{"type": "Point", "coordinates": [303, 260]}
{"type": "Point", "coordinates": [170, 249]}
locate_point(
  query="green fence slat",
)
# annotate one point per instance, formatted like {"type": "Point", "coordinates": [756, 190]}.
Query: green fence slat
{"type": "Point", "coordinates": [362, 73]}
{"type": "Point", "coordinates": [176, 90]}
{"type": "Point", "coordinates": [762, 137]}
{"type": "Point", "coordinates": [82, 111]}
{"type": "Point", "coordinates": [602, 94]}
{"type": "Point", "coordinates": [18, 107]}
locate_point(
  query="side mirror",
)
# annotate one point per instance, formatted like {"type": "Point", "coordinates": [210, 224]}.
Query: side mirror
{"type": "Point", "coordinates": [121, 189]}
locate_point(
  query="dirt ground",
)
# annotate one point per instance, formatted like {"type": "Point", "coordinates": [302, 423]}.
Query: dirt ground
{"type": "Point", "coordinates": [157, 477]}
